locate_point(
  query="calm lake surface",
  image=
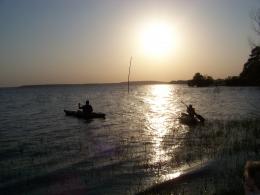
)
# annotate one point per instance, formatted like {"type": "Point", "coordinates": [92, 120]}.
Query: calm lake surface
{"type": "Point", "coordinates": [42, 151]}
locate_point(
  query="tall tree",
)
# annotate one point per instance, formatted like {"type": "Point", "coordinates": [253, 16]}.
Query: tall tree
{"type": "Point", "coordinates": [251, 71]}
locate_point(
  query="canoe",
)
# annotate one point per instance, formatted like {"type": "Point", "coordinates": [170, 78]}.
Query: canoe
{"type": "Point", "coordinates": [80, 114]}
{"type": "Point", "coordinates": [188, 120]}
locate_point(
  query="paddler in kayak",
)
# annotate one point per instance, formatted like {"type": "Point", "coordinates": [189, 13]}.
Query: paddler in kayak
{"type": "Point", "coordinates": [87, 108]}
{"type": "Point", "coordinates": [191, 111]}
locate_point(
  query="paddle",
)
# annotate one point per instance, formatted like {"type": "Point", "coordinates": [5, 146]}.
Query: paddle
{"type": "Point", "coordinates": [201, 119]}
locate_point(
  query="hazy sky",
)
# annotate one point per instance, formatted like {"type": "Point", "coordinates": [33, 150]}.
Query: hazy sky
{"type": "Point", "coordinates": [76, 41]}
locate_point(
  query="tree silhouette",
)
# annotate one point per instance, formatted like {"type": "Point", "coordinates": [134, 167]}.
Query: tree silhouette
{"type": "Point", "coordinates": [251, 71]}
{"type": "Point", "coordinates": [201, 81]}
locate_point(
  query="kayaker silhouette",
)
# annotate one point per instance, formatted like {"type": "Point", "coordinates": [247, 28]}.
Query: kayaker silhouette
{"type": "Point", "coordinates": [191, 111]}
{"type": "Point", "coordinates": [87, 108]}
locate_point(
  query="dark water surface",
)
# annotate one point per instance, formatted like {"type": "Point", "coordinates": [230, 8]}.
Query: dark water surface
{"type": "Point", "coordinates": [44, 152]}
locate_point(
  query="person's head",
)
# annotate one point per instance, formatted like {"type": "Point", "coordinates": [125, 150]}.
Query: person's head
{"type": "Point", "coordinates": [252, 177]}
{"type": "Point", "coordinates": [87, 102]}
{"type": "Point", "coordinates": [190, 106]}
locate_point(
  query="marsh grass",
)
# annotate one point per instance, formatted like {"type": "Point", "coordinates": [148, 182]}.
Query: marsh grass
{"type": "Point", "coordinates": [228, 143]}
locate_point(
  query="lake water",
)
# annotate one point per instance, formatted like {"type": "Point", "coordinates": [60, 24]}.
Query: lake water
{"type": "Point", "coordinates": [42, 151]}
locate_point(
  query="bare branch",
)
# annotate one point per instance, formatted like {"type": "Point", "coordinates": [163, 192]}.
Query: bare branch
{"type": "Point", "coordinates": [252, 43]}
{"type": "Point", "coordinates": [129, 71]}
{"type": "Point", "coordinates": [256, 21]}
{"type": "Point", "coordinates": [255, 18]}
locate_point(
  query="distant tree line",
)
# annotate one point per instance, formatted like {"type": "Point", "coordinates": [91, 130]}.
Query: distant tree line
{"type": "Point", "coordinates": [250, 75]}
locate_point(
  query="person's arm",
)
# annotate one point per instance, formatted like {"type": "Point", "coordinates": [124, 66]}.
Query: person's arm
{"type": "Point", "coordinates": [79, 106]}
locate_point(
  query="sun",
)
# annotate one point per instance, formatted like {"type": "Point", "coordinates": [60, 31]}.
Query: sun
{"type": "Point", "coordinates": [157, 39]}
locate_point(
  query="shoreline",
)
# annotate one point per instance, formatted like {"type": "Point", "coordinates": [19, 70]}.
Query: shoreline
{"type": "Point", "coordinates": [199, 170]}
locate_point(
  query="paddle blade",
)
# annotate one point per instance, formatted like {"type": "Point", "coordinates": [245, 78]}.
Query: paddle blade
{"type": "Point", "coordinates": [200, 118]}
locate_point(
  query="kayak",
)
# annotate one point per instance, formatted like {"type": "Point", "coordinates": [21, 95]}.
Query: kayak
{"type": "Point", "coordinates": [189, 120]}
{"type": "Point", "coordinates": [80, 114]}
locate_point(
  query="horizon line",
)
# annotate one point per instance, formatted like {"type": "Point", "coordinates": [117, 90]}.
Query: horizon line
{"type": "Point", "coordinates": [105, 83]}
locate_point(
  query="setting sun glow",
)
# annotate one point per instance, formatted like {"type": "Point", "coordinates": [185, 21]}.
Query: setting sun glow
{"type": "Point", "coordinates": [157, 39]}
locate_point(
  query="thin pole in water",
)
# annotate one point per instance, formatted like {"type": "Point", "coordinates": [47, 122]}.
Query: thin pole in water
{"type": "Point", "coordinates": [129, 71]}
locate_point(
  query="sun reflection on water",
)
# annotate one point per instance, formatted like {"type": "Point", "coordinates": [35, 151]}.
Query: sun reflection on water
{"type": "Point", "coordinates": [159, 119]}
